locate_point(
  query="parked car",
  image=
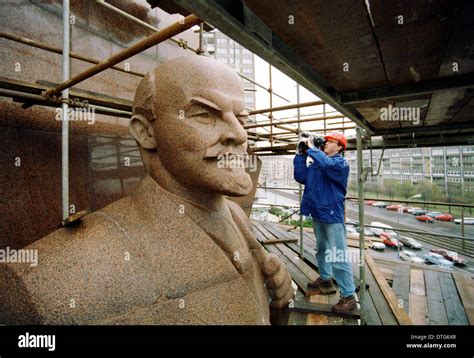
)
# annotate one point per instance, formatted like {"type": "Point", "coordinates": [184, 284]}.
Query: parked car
{"type": "Point", "coordinates": [377, 246]}
{"type": "Point", "coordinates": [370, 202]}
{"type": "Point", "coordinates": [437, 259]}
{"type": "Point", "coordinates": [406, 209]}
{"type": "Point", "coordinates": [467, 221]}
{"type": "Point", "coordinates": [451, 256]}
{"type": "Point", "coordinates": [411, 256]}
{"type": "Point", "coordinates": [425, 218]}
{"type": "Point", "coordinates": [382, 228]}
{"type": "Point", "coordinates": [380, 204]}
{"type": "Point", "coordinates": [411, 210]}
{"type": "Point", "coordinates": [419, 212]}
{"type": "Point", "coordinates": [445, 217]}
{"type": "Point", "coordinates": [393, 207]}
{"type": "Point", "coordinates": [433, 214]}
{"type": "Point", "coordinates": [411, 242]}
{"type": "Point", "coordinates": [351, 230]}
{"type": "Point", "coordinates": [367, 231]}
{"type": "Point", "coordinates": [352, 222]}
{"type": "Point", "coordinates": [391, 242]}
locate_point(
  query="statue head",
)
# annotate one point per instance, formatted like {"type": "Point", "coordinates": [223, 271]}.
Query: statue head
{"type": "Point", "coordinates": [187, 114]}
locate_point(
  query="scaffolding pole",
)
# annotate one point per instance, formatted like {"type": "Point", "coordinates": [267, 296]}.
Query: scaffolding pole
{"type": "Point", "coordinates": [270, 115]}
{"type": "Point", "coordinates": [315, 119]}
{"type": "Point", "coordinates": [146, 43]}
{"type": "Point", "coordinates": [138, 21]}
{"type": "Point", "coordinates": [283, 108]}
{"type": "Point", "coordinates": [197, 51]}
{"type": "Point", "coordinates": [64, 116]}
{"type": "Point", "coordinates": [300, 186]}
{"type": "Point", "coordinates": [360, 188]}
{"type": "Point", "coordinates": [49, 48]}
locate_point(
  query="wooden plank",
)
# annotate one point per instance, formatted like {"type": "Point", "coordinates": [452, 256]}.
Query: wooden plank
{"type": "Point", "coordinates": [385, 313]}
{"type": "Point", "coordinates": [417, 283]}
{"type": "Point", "coordinates": [370, 313]}
{"type": "Point", "coordinates": [315, 317]}
{"type": "Point", "coordinates": [323, 308]}
{"type": "Point", "coordinates": [387, 273]}
{"type": "Point", "coordinates": [436, 310]}
{"type": "Point", "coordinates": [279, 241]}
{"type": "Point", "coordinates": [465, 285]}
{"type": "Point", "coordinates": [392, 300]}
{"type": "Point", "coordinates": [298, 318]}
{"type": "Point", "coordinates": [418, 309]}
{"type": "Point", "coordinates": [298, 277]}
{"type": "Point", "coordinates": [401, 286]}
{"type": "Point", "coordinates": [292, 256]}
{"type": "Point", "coordinates": [418, 306]}
{"type": "Point", "coordinates": [452, 302]}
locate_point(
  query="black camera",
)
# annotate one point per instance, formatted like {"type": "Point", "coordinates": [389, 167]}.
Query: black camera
{"type": "Point", "coordinates": [317, 142]}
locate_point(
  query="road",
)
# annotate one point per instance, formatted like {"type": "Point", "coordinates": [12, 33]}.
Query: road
{"type": "Point", "coordinates": [404, 219]}
{"type": "Point", "coordinates": [438, 227]}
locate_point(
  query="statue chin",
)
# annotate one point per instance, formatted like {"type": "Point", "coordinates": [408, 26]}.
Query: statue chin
{"type": "Point", "coordinates": [235, 184]}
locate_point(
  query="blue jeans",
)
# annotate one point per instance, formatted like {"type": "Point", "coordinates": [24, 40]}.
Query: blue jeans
{"type": "Point", "coordinates": [332, 257]}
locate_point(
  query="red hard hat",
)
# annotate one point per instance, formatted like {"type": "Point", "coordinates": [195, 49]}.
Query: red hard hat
{"type": "Point", "coordinates": [339, 136]}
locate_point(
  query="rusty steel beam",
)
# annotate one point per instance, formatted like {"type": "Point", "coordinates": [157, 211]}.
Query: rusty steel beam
{"type": "Point", "coordinates": [290, 106]}
{"type": "Point", "coordinates": [315, 119]}
{"type": "Point", "coordinates": [140, 46]}
{"type": "Point", "coordinates": [47, 47]}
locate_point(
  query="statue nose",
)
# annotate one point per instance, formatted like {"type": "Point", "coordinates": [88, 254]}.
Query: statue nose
{"type": "Point", "coordinates": [234, 133]}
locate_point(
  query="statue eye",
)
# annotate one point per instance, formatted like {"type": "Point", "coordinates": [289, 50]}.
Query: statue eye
{"type": "Point", "coordinates": [203, 116]}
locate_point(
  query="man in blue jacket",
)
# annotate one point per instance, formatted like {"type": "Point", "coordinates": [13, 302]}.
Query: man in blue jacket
{"type": "Point", "coordinates": [325, 174]}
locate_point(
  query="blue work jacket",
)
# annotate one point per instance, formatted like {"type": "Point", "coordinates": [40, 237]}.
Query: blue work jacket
{"type": "Point", "coordinates": [325, 182]}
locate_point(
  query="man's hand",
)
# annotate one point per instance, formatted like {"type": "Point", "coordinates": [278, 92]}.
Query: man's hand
{"type": "Point", "coordinates": [278, 281]}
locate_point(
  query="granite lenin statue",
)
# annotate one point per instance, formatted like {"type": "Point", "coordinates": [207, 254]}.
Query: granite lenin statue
{"type": "Point", "coordinates": [176, 251]}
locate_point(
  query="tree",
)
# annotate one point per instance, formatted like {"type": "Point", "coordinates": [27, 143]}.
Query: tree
{"type": "Point", "coordinates": [406, 189]}
{"type": "Point", "coordinates": [390, 186]}
{"type": "Point", "coordinates": [435, 194]}
{"type": "Point", "coordinates": [424, 188]}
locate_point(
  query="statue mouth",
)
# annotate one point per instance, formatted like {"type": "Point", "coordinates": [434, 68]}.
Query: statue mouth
{"type": "Point", "coordinates": [220, 151]}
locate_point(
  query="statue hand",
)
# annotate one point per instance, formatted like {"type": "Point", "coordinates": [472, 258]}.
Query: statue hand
{"type": "Point", "coordinates": [278, 281]}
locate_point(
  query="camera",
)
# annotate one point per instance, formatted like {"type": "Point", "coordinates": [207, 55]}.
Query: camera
{"type": "Point", "coordinates": [306, 137]}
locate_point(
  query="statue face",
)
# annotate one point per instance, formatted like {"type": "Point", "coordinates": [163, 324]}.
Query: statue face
{"type": "Point", "coordinates": [200, 116]}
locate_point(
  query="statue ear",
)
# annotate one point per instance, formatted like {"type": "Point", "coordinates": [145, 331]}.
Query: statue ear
{"type": "Point", "coordinates": [142, 131]}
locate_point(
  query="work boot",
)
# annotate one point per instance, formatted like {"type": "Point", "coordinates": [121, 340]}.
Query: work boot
{"type": "Point", "coordinates": [345, 305]}
{"type": "Point", "coordinates": [321, 283]}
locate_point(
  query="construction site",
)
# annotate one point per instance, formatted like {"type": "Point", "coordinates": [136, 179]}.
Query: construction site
{"type": "Point", "coordinates": [356, 61]}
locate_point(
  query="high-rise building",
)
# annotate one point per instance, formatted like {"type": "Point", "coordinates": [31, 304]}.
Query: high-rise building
{"type": "Point", "coordinates": [451, 168]}
{"type": "Point", "coordinates": [277, 170]}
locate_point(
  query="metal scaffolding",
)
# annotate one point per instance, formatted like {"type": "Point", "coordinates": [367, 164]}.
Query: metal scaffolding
{"type": "Point", "coordinates": [58, 95]}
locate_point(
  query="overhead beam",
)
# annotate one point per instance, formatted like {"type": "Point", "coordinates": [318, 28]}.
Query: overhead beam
{"type": "Point", "coordinates": [426, 129]}
{"type": "Point", "coordinates": [240, 23]}
{"type": "Point", "coordinates": [417, 89]}
{"type": "Point", "coordinates": [419, 142]}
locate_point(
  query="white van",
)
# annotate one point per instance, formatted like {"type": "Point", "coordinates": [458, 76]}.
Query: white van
{"type": "Point", "coordinates": [386, 228]}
